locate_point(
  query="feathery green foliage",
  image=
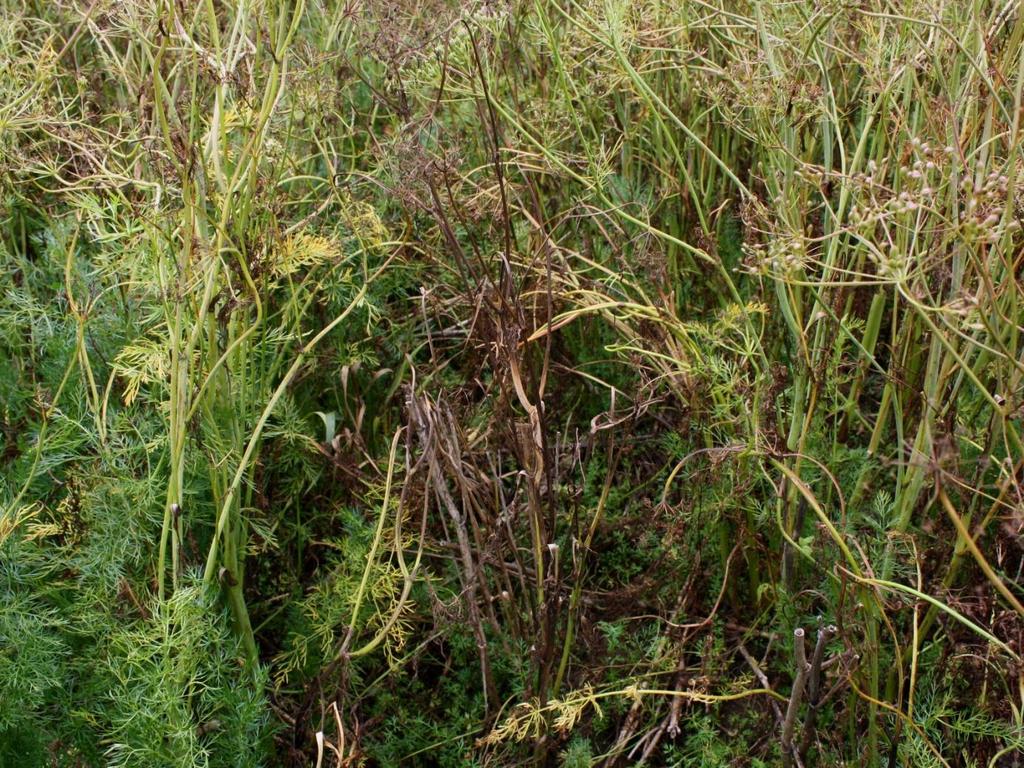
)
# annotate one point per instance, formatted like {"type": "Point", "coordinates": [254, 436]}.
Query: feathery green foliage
{"type": "Point", "coordinates": [503, 383]}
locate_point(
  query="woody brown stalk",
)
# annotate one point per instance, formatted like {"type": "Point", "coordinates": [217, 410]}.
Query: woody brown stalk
{"type": "Point", "coordinates": [814, 699]}
{"type": "Point", "coordinates": [423, 413]}
{"type": "Point", "coordinates": [795, 696]}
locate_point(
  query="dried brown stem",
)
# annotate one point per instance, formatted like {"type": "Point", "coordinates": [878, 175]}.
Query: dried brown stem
{"type": "Point", "coordinates": [825, 634]}
{"type": "Point", "coordinates": [795, 697]}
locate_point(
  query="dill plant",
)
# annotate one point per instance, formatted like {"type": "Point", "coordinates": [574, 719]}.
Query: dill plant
{"type": "Point", "coordinates": [503, 383]}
